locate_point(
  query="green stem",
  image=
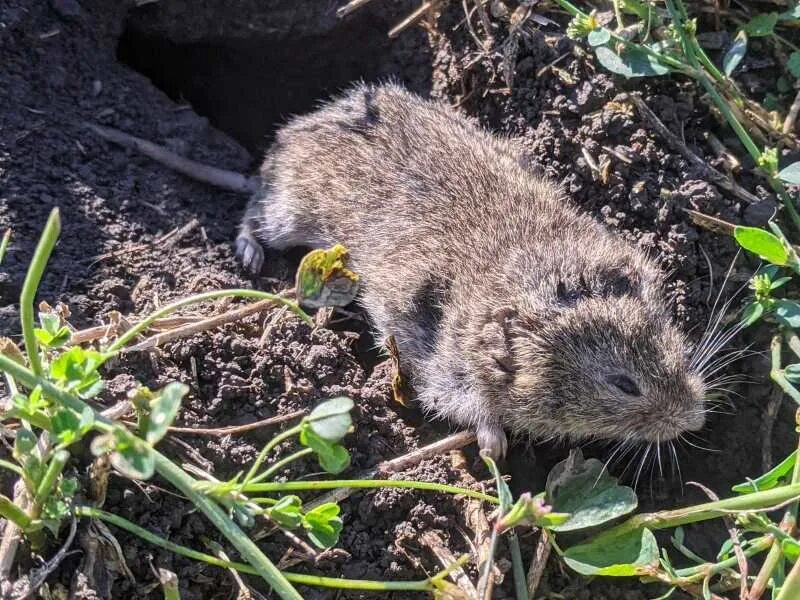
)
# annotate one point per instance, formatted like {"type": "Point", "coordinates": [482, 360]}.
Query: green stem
{"type": "Point", "coordinates": [4, 244]}
{"type": "Point", "coordinates": [32, 279]}
{"type": "Point", "coordinates": [663, 59]}
{"type": "Point", "coordinates": [179, 478]}
{"type": "Point", "coordinates": [48, 483]}
{"type": "Point", "coordinates": [14, 513]}
{"type": "Point", "coordinates": [281, 464]}
{"type": "Point", "coordinates": [791, 586]}
{"type": "Point", "coordinates": [520, 579]}
{"type": "Point", "coordinates": [485, 581]}
{"type": "Point", "coordinates": [618, 14]}
{"type": "Point", "coordinates": [773, 559]}
{"type": "Point", "coordinates": [169, 584]}
{"type": "Point", "coordinates": [726, 111]}
{"type": "Point", "coordinates": [330, 582]}
{"type": "Point", "coordinates": [777, 373]}
{"type": "Point", "coordinates": [765, 573]}
{"type": "Point", "coordinates": [756, 547]}
{"type": "Point", "coordinates": [178, 304]}
{"type": "Point", "coordinates": [12, 467]}
{"type": "Point", "coordinates": [695, 46]}
{"type": "Point", "coordinates": [262, 456]}
{"type": "Point", "coordinates": [756, 502]}
{"type": "Point", "coordinates": [293, 486]}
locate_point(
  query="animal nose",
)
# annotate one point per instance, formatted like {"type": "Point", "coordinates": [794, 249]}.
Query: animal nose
{"type": "Point", "coordinates": [695, 420]}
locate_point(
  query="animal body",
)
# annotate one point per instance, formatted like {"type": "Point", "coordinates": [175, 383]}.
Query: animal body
{"type": "Point", "coordinates": [512, 310]}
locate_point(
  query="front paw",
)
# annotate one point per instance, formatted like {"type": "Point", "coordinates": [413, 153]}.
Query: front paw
{"type": "Point", "coordinates": [250, 253]}
{"type": "Point", "coordinates": [492, 438]}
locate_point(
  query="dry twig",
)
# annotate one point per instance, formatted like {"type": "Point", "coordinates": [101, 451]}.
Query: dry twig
{"type": "Point", "coordinates": [719, 179]}
{"type": "Point", "coordinates": [237, 429]}
{"type": "Point", "coordinates": [539, 562]}
{"type": "Point", "coordinates": [415, 16]}
{"type": "Point", "coordinates": [434, 543]}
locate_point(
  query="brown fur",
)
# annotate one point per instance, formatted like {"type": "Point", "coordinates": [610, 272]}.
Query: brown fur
{"type": "Point", "coordinates": [510, 308]}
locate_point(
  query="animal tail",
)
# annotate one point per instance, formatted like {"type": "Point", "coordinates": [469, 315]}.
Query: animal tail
{"type": "Point", "coordinates": [229, 180]}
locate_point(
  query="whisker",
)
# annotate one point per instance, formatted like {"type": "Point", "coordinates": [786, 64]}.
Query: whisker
{"type": "Point", "coordinates": [693, 445]}
{"type": "Point", "coordinates": [641, 465]}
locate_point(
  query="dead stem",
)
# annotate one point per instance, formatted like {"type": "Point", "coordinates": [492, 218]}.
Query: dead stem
{"type": "Point", "coordinates": [475, 518]}
{"type": "Point", "coordinates": [411, 19]}
{"type": "Point", "coordinates": [733, 533]}
{"type": "Point", "coordinates": [539, 562]}
{"type": "Point", "coordinates": [350, 7]}
{"type": "Point", "coordinates": [202, 325]}
{"type": "Point", "coordinates": [12, 535]}
{"type": "Point", "coordinates": [173, 237]}
{"type": "Point", "coordinates": [433, 542]}
{"type": "Point", "coordinates": [237, 429]}
{"type": "Point", "coordinates": [100, 332]}
{"type": "Point", "coordinates": [791, 116]}
{"type": "Point", "coordinates": [717, 178]}
{"type": "Point", "coordinates": [411, 459]}
{"type": "Point", "coordinates": [44, 572]}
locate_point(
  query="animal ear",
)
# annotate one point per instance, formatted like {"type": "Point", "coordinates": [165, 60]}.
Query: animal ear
{"type": "Point", "coordinates": [496, 338]}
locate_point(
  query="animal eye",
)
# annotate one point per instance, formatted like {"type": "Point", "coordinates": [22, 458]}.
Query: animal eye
{"type": "Point", "coordinates": [625, 384]}
{"type": "Point", "coordinates": [617, 286]}
{"type": "Point", "coordinates": [570, 293]}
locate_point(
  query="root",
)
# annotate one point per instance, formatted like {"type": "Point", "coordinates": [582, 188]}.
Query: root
{"type": "Point", "coordinates": [228, 180]}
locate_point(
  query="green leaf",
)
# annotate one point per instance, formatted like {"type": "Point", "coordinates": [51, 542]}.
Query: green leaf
{"type": "Point", "coordinates": [752, 313]}
{"type": "Point", "coordinates": [778, 475]}
{"type": "Point", "coordinates": [761, 25]}
{"type": "Point", "coordinates": [76, 370]}
{"type": "Point", "coordinates": [788, 313]}
{"type": "Point", "coordinates": [128, 454]}
{"type": "Point", "coordinates": [792, 373]}
{"type": "Point", "coordinates": [735, 53]}
{"type": "Point", "coordinates": [50, 322]}
{"type": "Point", "coordinates": [287, 512]}
{"type": "Point", "coordinates": [323, 278]}
{"type": "Point", "coordinates": [780, 282]}
{"type": "Point", "coordinates": [793, 64]}
{"type": "Point", "coordinates": [331, 419]}
{"type": "Point", "coordinates": [790, 174]}
{"type": "Point", "coordinates": [163, 411]}
{"type": "Point", "coordinates": [332, 457]}
{"type": "Point", "coordinates": [66, 426]}
{"type": "Point", "coordinates": [791, 548]}
{"type": "Point", "coordinates": [24, 444]}
{"type": "Point", "coordinates": [323, 525]}
{"type": "Point", "coordinates": [793, 14]}
{"type": "Point", "coordinates": [599, 37]}
{"type": "Point", "coordinates": [27, 454]}
{"type": "Point", "coordinates": [503, 491]}
{"type": "Point", "coordinates": [631, 554]}
{"type": "Point", "coordinates": [631, 63]}
{"type": "Point", "coordinates": [761, 242]}
{"type": "Point", "coordinates": [584, 489]}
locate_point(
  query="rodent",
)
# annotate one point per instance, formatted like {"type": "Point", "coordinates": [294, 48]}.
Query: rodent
{"type": "Point", "coordinates": [511, 309]}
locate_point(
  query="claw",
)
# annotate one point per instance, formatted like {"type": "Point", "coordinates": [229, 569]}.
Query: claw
{"type": "Point", "coordinates": [491, 437]}
{"type": "Point", "coordinates": [250, 253]}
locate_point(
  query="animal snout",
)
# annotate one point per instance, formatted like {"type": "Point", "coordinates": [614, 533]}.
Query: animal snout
{"type": "Point", "coordinates": [695, 420]}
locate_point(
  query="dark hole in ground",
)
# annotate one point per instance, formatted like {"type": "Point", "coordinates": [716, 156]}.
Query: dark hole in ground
{"type": "Point", "coordinates": [248, 87]}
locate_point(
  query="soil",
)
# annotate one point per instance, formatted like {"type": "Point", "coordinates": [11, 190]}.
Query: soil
{"type": "Point", "coordinates": [212, 80]}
